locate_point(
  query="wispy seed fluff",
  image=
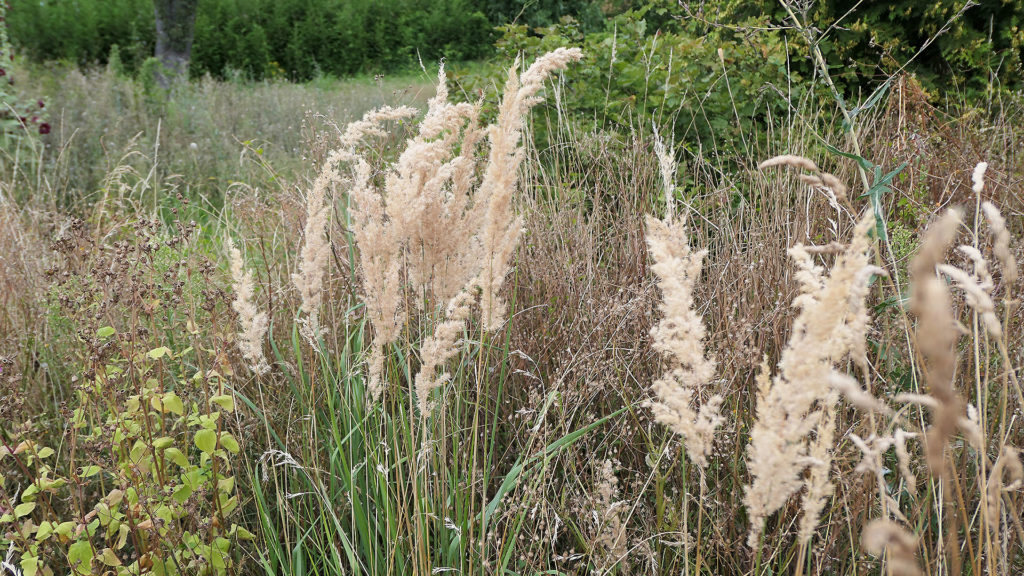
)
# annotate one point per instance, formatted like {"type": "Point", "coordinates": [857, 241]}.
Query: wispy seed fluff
{"type": "Point", "coordinates": [897, 543]}
{"type": "Point", "coordinates": [1001, 246]}
{"type": "Point", "coordinates": [253, 323]}
{"type": "Point", "coordinates": [501, 230]}
{"type": "Point", "coordinates": [831, 325]}
{"type": "Point", "coordinates": [937, 334]}
{"type": "Point", "coordinates": [680, 334]}
{"type": "Point", "coordinates": [316, 249]}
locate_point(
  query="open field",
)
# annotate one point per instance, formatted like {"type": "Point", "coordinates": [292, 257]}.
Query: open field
{"type": "Point", "coordinates": [272, 328]}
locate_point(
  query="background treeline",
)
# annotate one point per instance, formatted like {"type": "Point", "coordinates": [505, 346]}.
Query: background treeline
{"type": "Point", "coordinates": [300, 39]}
{"type": "Point", "coordinates": [293, 39]}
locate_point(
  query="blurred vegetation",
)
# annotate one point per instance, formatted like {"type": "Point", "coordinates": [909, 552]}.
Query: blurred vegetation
{"type": "Point", "coordinates": [970, 47]}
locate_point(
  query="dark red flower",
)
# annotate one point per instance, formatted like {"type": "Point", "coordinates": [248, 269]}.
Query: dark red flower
{"type": "Point", "coordinates": [3, 72]}
{"type": "Point", "coordinates": [44, 128]}
{"type": "Point", "coordinates": [41, 105]}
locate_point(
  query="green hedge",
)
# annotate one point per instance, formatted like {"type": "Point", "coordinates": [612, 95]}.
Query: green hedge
{"type": "Point", "coordinates": [297, 39]}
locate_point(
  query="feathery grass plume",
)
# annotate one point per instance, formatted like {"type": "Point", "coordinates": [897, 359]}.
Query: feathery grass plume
{"type": "Point", "coordinates": [440, 347]}
{"type": "Point", "coordinates": [976, 290]}
{"type": "Point", "coordinates": [1001, 247]}
{"type": "Point", "coordinates": [1005, 476]}
{"type": "Point", "coordinates": [667, 166]}
{"type": "Point", "coordinates": [253, 322]}
{"type": "Point", "coordinates": [830, 326]}
{"type": "Point", "coordinates": [789, 160]}
{"type": "Point", "coordinates": [937, 334]}
{"type": "Point", "coordinates": [819, 179]}
{"type": "Point", "coordinates": [679, 336]}
{"type": "Point", "coordinates": [315, 251]}
{"type": "Point", "coordinates": [316, 248]}
{"type": "Point", "coordinates": [819, 481]}
{"type": "Point", "coordinates": [425, 202]}
{"type": "Point", "coordinates": [428, 223]}
{"type": "Point", "coordinates": [501, 228]}
{"type": "Point", "coordinates": [418, 222]}
{"type": "Point", "coordinates": [883, 536]}
{"type": "Point", "coordinates": [903, 459]}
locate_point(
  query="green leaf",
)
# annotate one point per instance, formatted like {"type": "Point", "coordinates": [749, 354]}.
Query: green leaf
{"type": "Point", "coordinates": [64, 529]}
{"type": "Point", "coordinates": [45, 452]}
{"type": "Point", "coordinates": [80, 556]}
{"type": "Point", "coordinates": [864, 163]}
{"type": "Point", "coordinates": [227, 485]}
{"type": "Point", "coordinates": [206, 440]}
{"type": "Point", "coordinates": [225, 401]}
{"type": "Point", "coordinates": [175, 455]}
{"type": "Point", "coordinates": [228, 442]}
{"type": "Point", "coordinates": [241, 533]}
{"type": "Point", "coordinates": [172, 403]}
{"type": "Point", "coordinates": [88, 471]}
{"type": "Point", "coordinates": [105, 332]}
{"type": "Point", "coordinates": [158, 353]}
{"type": "Point", "coordinates": [109, 557]}
{"type": "Point", "coordinates": [163, 442]}
{"type": "Point", "coordinates": [44, 531]}
{"type": "Point", "coordinates": [29, 565]}
{"type": "Point", "coordinates": [24, 509]}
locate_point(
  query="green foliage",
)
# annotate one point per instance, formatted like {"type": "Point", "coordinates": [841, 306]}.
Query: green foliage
{"type": "Point", "coordinates": [868, 41]}
{"type": "Point", "coordinates": [710, 87]}
{"type": "Point", "coordinates": [83, 32]}
{"type": "Point", "coordinates": [114, 62]}
{"type": "Point", "coordinates": [138, 477]}
{"type": "Point", "coordinates": [261, 38]}
{"type": "Point", "coordinates": [143, 496]}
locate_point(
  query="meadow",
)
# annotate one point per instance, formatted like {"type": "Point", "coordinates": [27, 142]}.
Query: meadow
{"type": "Point", "coordinates": [438, 322]}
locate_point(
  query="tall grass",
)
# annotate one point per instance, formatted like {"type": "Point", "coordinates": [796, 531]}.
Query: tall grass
{"type": "Point", "coordinates": [861, 413]}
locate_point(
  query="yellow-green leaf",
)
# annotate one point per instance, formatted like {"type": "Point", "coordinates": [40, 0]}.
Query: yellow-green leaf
{"type": "Point", "coordinates": [176, 456]}
{"type": "Point", "coordinates": [109, 557]}
{"type": "Point", "coordinates": [158, 353]}
{"type": "Point", "coordinates": [163, 442]}
{"type": "Point", "coordinates": [173, 403]}
{"type": "Point", "coordinates": [206, 440]}
{"type": "Point", "coordinates": [225, 401]}
{"type": "Point", "coordinates": [229, 443]}
{"type": "Point", "coordinates": [44, 531]}
{"type": "Point", "coordinates": [24, 509]}
{"type": "Point", "coordinates": [88, 471]}
{"type": "Point", "coordinates": [64, 529]}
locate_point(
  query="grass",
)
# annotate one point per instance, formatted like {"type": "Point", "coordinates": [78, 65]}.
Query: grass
{"type": "Point", "coordinates": [542, 455]}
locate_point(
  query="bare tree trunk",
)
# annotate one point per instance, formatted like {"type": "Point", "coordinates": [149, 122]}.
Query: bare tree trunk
{"type": "Point", "coordinates": [175, 28]}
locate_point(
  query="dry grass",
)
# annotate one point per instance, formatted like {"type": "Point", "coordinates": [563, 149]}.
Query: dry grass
{"type": "Point", "coordinates": [877, 431]}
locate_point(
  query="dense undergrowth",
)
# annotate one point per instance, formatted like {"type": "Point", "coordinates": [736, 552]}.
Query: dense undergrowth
{"type": "Point", "coordinates": [423, 343]}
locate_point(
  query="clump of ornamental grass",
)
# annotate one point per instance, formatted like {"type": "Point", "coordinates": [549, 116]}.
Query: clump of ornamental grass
{"type": "Point", "coordinates": [795, 423]}
{"type": "Point", "coordinates": [426, 218]}
{"type": "Point", "coordinates": [679, 336]}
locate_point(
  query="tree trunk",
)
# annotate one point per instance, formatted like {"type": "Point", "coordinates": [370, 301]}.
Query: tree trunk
{"type": "Point", "coordinates": [175, 28]}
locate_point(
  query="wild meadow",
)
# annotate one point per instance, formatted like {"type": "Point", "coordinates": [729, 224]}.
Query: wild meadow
{"type": "Point", "coordinates": [564, 312]}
